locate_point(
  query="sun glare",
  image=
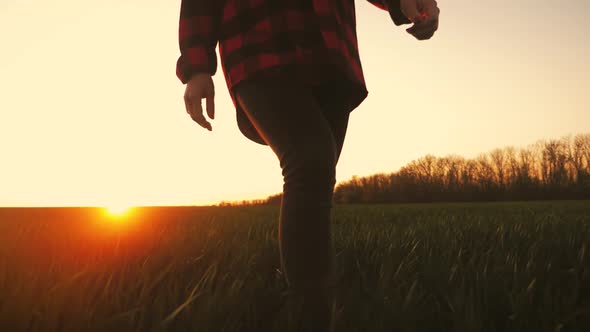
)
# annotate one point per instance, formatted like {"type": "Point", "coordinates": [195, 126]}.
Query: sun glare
{"type": "Point", "coordinates": [117, 210]}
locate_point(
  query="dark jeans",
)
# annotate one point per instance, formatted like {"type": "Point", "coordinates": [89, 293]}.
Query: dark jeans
{"type": "Point", "coordinates": [305, 128]}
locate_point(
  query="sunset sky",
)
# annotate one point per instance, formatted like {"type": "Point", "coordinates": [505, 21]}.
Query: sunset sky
{"type": "Point", "coordinates": [91, 112]}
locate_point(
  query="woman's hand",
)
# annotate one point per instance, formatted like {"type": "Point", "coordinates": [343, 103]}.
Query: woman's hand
{"type": "Point", "coordinates": [198, 87]}
{"type": "Point", "coordinates": [424, 14]}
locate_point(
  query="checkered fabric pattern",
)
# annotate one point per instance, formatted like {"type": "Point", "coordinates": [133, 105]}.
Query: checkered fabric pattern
{"type": "Point", "coordinates": [262, 37]}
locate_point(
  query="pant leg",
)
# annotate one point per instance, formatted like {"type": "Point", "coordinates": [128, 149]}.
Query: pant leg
{"type": "Point", "coordinates": [307, 141]}
{"type": "Point", "coordinates": [337, 114]}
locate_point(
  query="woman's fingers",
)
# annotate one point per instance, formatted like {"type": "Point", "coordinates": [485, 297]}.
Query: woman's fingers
{"type": "Point", "coordinates": [425, 27]}
{"type": "Point", "coordinates": [195, 109]}
{"type": "Point", "coordinates": [411, 10]}
{"type": "Point", "coordinates": [197, 115]}
{"type": "Point", "coordinates": [200, 86]}
{"type": "Point", "coordinates": [430, 9]}
{"type": "Point", "coordinates": [211, 105]}
{"type": "Point", "coordinates": [424, 30]}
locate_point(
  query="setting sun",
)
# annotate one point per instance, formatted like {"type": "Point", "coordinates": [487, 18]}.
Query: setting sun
{"type": "Point", "coordinates": [117, 210]}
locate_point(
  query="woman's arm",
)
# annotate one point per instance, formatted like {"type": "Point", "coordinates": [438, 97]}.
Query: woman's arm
{"type": "Point", "coordinates": [198, 34]}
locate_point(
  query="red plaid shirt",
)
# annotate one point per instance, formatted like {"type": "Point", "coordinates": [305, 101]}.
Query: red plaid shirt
{"type": "Point", "coordinates": [262, 37]}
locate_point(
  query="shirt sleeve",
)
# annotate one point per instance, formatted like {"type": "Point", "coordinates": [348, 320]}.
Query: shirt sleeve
{"type": "Point", "coordinates": [198, 34]}
{"type": "Point", "coordinates": [394, 9]}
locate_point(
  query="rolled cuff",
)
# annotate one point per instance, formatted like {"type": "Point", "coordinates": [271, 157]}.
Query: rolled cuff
{"type": "Point", "coordinates": [196, 60]}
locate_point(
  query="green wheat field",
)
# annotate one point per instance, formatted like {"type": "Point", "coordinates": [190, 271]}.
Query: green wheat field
{"type": "Point", "coordinates": [416, 267]}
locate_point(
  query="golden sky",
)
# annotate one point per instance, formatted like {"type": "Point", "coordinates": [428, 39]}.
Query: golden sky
{"type": "Point", "coordinates": [91, 112]}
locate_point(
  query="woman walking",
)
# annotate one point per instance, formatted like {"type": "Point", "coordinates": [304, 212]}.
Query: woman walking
{"type": "Point", "coordinates": [293, 71]}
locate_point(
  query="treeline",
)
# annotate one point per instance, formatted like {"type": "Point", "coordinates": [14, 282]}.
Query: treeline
{"type": "Point", "coordinates": [549, 169]}
{"type": "Point", "coordinates": [554, 169]}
